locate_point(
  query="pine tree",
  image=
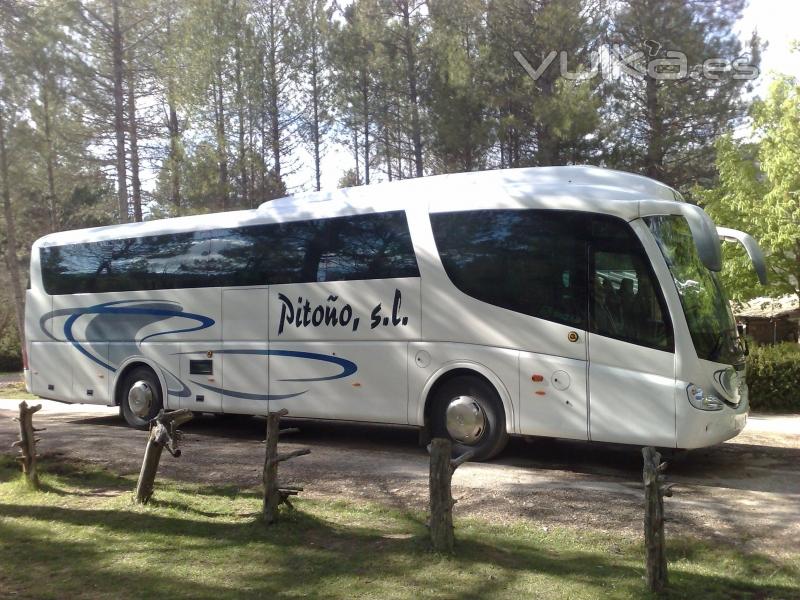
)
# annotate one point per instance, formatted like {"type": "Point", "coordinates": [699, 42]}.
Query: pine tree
{"type": "Point", "coordinates": [354, 50]}
{"type": "Point", "coordinates": [310, 40]}
{"type": "Point", "coordinates": [458, 98]}
{"type": "Point", "coordinates": [665, 128]}
{"type": "Point", "coordinates": [549, 120]}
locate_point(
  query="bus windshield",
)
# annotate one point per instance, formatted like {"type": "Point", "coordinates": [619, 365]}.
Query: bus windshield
{"type": "Point", "coordinates": [704, 302]}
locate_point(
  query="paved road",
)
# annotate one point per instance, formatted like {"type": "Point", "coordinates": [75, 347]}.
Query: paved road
{"type": "Point", "coordinates": [746, 491]}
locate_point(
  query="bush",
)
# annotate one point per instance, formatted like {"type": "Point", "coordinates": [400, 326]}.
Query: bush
{"type": "Point", "coordinates": [773, 377]}
{"type": "Point", "coordinates": [10, 352]}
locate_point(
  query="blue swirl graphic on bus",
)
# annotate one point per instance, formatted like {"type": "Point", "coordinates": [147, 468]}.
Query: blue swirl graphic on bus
{"type": "Point", "coordinates": [160, 310]}
{"type": "Point", "coordinates": [114, 327]}
{"type": "Point", "coordinates": [348, 368]}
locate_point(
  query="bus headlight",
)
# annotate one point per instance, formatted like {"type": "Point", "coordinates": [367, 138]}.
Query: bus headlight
{"type": "Point", "coordinates": [699, 399]}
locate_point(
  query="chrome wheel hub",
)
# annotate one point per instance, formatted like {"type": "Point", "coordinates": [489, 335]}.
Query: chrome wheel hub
{"type": "Point", "coordinates": [466, 420]}
{"type": "Point", "coordinates": [140, 398]}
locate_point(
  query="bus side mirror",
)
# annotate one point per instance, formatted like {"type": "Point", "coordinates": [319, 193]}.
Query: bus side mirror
{"type": "Point", "coordinates": [751, 246]}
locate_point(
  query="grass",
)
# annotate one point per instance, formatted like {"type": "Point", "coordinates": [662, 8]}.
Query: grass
{"type": "Point", "coordinates": [15, 391]}
{"type": "Point", "coordinates": [12, 388]}
{"type": "Point", "coordinates": [81, 537]}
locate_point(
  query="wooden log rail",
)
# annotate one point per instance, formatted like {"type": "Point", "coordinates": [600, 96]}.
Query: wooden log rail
{"type": "Point", "coordinates": [654, 492]}
{"type": "Point", "coordinates": [276, 494]}
{"type": "Point", "coordinates": [27, 443]}
{"type": "Point", "coordinates": [163, 434]}
{"type": "Point", "coordinates": [442, 468]}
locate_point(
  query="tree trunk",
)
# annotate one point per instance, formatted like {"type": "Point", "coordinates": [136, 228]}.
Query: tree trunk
{"type": "Point", "coordinates": [275, 127]}
{"type": "Point", "coordinates": [315, 102]}
{"type": "Point", "coordinates": [654, 160]}
{"type": "Point", "coordinates": [441, 495]}
{"type": "Point", "coordinates": [147, 475]}
{"type": "Point", "coordinates": [262, 125]}
{"type": "Point", "coordinates": [119, 113]}
{"type": "Point", "coordinates": [222, 151]}
{"type": "Point", "coordinates": [411, 74]}
{"type": "Point", "coordinates": [251, 145]}
{"type": "Point", "coordinates": [357, 154]}
{"type": "Point", "coordinates": [271, 495]}
{"type": "Point", "coordinates": [173, 126]}
{"type": "Point", "coordinates": [365, 108]}
{"type": "Point", "coordinates": [654, 492]}
{"type": "Point", "coordinates": [174, 158]}
{"type": "Point", "coordinates": [27, 443]}
{"type": "Point", "coordinates": [52, 205]}
{"type": "Point", "coordinates": [441, 498]}
{"type": "Point", "coordinates": [274, 493]}
{"type": "Point", "coordinates": [12, 262]}
{"type": "Point", "coordinates": [243, 183]}
{"type": "Point", "coordinates": [133, 136]}
{"type": "Point", "coordinates": [163, 434]}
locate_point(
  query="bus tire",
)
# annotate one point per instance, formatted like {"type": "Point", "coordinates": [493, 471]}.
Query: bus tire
{"type": "Point", "coordinates": [468, 411]}
{"type": "Point", "coordinates": [140, 397]}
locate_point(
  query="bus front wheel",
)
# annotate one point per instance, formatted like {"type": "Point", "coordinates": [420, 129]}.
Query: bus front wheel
{"type": "Point", "coordinates": [468, 411]}
{"type": "Point", "coordinates": [141, 397]}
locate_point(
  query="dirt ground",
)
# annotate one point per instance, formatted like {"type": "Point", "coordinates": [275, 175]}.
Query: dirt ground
{"type": "Point", "coordinates": [745, 492]}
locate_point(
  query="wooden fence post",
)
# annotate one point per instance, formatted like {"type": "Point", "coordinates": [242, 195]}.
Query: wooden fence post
{"type": "Point", "coordinates": [276, 494]}
{"type": "Point", "coordinates": [27, 443]}
{"type": "Point", "coordinates": [163, 434]}
{"type": "Point", "coordinates": [654, 492]}
{"type": "Point", "coordinates": [442, 468]}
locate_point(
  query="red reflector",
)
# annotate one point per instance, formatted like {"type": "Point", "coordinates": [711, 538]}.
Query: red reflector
{"type": "Point", "coordinates": [540, 392]}
{"type": "Point", "coordinates": [537, 378]}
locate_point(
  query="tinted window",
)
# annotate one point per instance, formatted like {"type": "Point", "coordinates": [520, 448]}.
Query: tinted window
{"type": "Point", "coordinates": [536, 262]}
{"type": "Point", "coordinates": [707, 310]}
{"type": "Point", "coordinates": [626, 303]}
{"type": "Point", "coordinates": [528, 261]}
{"type": "Point", "coordinates": [375, 246]}
{"type": "Point", "coordinates": [153, 262]}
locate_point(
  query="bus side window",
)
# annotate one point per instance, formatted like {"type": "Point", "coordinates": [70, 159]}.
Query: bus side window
{"type": "Point", "coordinates": [373, 246]}
{"type": "Point", "coordinates": [626, 302]}
{"type": "Point", "coordinates": [530, 261]}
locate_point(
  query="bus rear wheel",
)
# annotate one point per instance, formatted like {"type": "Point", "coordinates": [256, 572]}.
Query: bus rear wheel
{"type": "Point", "coordinates": [468, 411]}
{"type": "Point", "coordinates": [141, 397]}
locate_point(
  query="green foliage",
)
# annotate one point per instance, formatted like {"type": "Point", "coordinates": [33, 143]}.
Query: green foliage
{"type": "Point", "coordinates": [458, 98]}
{"type": "Point", "coordinates": [773, 378]}
{"type": "Point", "coordinates": [550, 121]}
{"type": "Point", "coordinates": [759, 192]}
{"type": "Point", "coordinates": [10, 353]}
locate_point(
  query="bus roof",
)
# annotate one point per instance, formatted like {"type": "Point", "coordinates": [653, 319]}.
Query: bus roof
{"type": "Point", "coordinates": [572, 188]}
{"type": "Point", "coordinates": [589, 182]}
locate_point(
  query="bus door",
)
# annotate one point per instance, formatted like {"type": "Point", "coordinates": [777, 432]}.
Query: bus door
{"type": "Point", "coordinates": [243, 357]}
{"type": "Point", "coordinates": [631, 348]}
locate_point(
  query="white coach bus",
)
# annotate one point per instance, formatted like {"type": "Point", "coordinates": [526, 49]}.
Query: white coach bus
{"type": "Point", "coordinates": [569, 302]}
